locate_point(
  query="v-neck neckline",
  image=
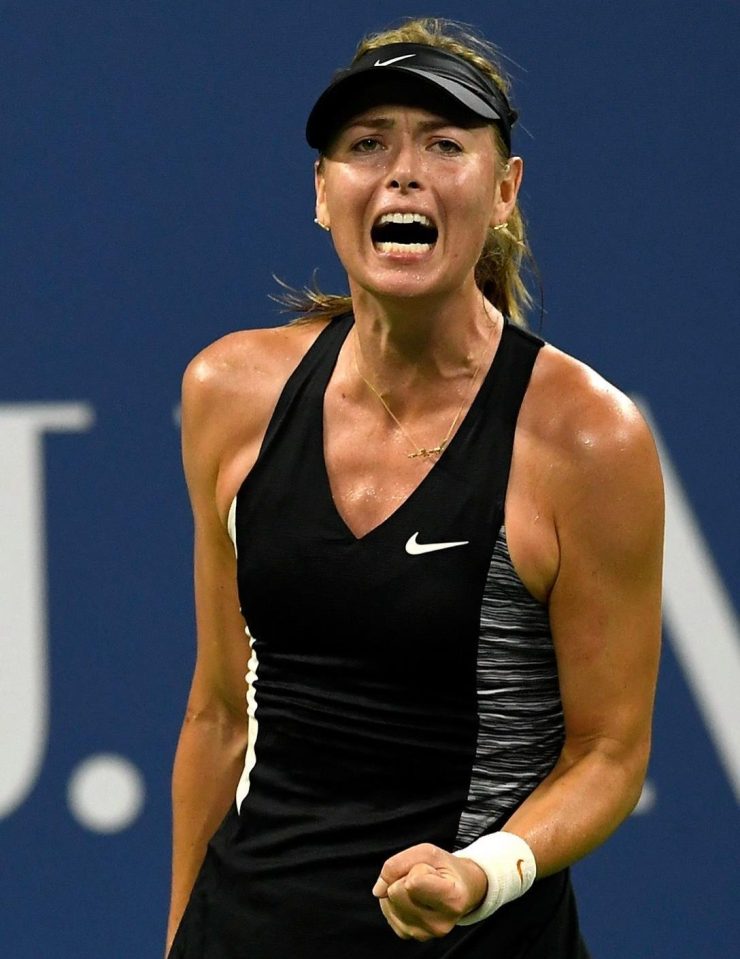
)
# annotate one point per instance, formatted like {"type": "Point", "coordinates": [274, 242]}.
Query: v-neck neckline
{"type": "Point", "coordinates": [426, 480]}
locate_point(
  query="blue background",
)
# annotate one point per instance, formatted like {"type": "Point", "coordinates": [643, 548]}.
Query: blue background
{"type": "Point", "coordinates": [155, 177]}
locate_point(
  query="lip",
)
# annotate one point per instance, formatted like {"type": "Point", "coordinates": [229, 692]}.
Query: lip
{"type": "Point", "coordinates": [404, 257]}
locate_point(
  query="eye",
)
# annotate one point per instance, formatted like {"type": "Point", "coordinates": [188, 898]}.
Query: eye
{"type": "Point", "coordinates": [366, 145]}
{"type": "Point", "coordinates": [449, 147]}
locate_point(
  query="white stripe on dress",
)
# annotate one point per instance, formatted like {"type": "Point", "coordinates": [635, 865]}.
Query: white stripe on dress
{"type": "Point", "coordinates": [252, 727]}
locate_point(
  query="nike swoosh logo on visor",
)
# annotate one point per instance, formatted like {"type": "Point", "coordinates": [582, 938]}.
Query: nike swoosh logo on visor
{"type": "Point", "coordinates": [387, 63]}
{"type": "Point", "coordinates": [416, 549]}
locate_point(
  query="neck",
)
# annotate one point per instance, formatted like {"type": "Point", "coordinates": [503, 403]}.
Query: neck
{"type": "Point", "coordinates": [411, 344]}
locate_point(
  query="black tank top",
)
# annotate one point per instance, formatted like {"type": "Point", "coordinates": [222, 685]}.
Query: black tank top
{"type": "Point", "coordinates": [403, 689]}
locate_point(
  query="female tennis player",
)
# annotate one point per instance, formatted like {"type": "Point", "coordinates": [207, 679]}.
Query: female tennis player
{"type": "Point", "coordinates": [444, 537]}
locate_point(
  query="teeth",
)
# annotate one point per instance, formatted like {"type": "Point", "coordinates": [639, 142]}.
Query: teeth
{"type": "Point", "coordinates": [403, 247]}
{"type": "Point", "coordinates": [405, 218]}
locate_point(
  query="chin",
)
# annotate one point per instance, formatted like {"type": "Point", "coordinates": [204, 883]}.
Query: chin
{"type": "Point", "coordinates": [407, 292]}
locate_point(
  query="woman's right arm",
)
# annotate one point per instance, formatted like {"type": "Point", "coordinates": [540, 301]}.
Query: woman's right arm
{"type": "Point", "coordinates": [212, 743]}
{"type": "Point", "coordinates": [229, 394]}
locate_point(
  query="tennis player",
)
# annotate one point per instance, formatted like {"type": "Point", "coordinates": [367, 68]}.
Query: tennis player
{"type": "Point", "coordinates": [444, 537]}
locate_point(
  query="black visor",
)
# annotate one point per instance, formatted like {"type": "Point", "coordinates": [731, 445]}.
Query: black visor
{"type": "Point", "coordinates": [404, 72]}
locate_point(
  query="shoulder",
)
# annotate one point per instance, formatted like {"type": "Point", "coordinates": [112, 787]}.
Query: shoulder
{"type": "Point", "coordinates": [593, 442]}
{"type": "Point", "coordinates": [242, 373]}
{"type": "Point", "coordinates": [247, 360]}
{"type": "Point", "coordinates": [230, 389]}
{"type": "Point", "coordinates": [581, 416]}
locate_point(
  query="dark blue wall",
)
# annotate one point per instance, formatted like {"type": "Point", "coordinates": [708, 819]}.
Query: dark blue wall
{"type": "Point", "coordinates": [155, 177]}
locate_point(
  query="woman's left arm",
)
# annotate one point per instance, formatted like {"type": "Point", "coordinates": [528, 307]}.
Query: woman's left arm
{"type": "Point", "coordinates": [604, 604]}
{"type": "Point", "coordinates": [605, 618]}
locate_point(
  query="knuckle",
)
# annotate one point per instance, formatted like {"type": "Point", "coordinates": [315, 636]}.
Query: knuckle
{"type": "Point", "coordinates": [412, 878]}
{"type": "Point", "coordinates": [394, 891]}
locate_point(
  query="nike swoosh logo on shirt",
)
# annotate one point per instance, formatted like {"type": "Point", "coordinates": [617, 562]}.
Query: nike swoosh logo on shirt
{"type": "Point", "coordinates": [387, 63]}
{"type": "Point", "coordinates": [416, 549]}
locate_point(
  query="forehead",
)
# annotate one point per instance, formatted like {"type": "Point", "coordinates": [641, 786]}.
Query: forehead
{"type": "Point", "coordinates": [391, 114]}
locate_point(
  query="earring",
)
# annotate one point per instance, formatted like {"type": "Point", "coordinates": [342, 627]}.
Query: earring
{"type": "Point", "coordinates": [318, 222]}
{"type": "Point", "coordinates": [501, 226]}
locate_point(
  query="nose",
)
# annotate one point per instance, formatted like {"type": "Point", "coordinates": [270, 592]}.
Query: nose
{"type": "Point", "coordinates": [404, 174]}
{"type": "Point", "coordinates": [404, 183]}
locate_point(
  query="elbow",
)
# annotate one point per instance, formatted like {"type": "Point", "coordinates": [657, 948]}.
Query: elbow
{"type": "Point", "coordinates": [218, 716]}
{"type": "Point", "coordinates": [635, 772]}
{"type": "Point", "coordinates": [216, 732]}
{"type": "Point", "coordinates": [628, 771]}
{"type": "Point", "coordinates": [622, 768]}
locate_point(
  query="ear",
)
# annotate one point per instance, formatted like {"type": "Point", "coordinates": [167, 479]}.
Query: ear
{"type": "Point", "coordinates": [507, 190]}
{"type": "Point", "coordinates": [322, 213]}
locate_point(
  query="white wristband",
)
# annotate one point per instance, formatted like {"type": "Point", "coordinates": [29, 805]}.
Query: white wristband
{"type": "Point", "coordinates": [509, 866]}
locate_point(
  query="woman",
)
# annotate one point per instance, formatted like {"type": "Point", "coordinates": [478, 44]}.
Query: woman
{"type": "Point", "coordinates": [442, 708]}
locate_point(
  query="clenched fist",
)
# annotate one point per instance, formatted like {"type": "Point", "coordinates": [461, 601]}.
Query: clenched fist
{"type": "Point", "coordinates": [423, 891]}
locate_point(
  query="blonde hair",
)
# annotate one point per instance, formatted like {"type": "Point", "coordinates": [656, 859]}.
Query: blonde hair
{"type": "Point", "coordinates": [498, 272]}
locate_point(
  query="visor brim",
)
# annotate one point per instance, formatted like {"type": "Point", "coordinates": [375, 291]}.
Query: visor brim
{"type": "Point", "coordinates": [359, 90]}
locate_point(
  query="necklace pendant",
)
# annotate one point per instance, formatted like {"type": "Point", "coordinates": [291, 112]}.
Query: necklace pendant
{"type": "Point", "coordinates": [426, 453]}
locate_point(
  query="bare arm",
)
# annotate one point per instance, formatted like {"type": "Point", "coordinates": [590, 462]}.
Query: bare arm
{"type": "Point", "coordinates": [605, 618]}
{"type": "Point", "coordinates": [604, 605]}
{"type": "Point", "coordinates": [210, 751]}
{"type": "Point", "coordinates": [229, 393]}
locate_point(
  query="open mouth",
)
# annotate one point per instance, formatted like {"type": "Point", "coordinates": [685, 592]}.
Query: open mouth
{"type": "Point", "coordinates": [404, 233]}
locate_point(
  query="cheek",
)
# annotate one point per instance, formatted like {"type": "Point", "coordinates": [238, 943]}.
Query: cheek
{"type": "Point", "coordinates": [347, 190]}
{"type": "Point", "coordinates": [475, 191]}
{"type": "Point", "coordinates": [468, 188]}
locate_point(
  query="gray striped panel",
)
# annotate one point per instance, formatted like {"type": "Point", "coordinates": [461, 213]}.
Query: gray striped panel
{"type": "Point", "coordinates": [520, 717]}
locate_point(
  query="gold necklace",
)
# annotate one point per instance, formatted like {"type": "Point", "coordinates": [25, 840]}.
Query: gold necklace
{"type": "Point", "coordinates": [422, 451]}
